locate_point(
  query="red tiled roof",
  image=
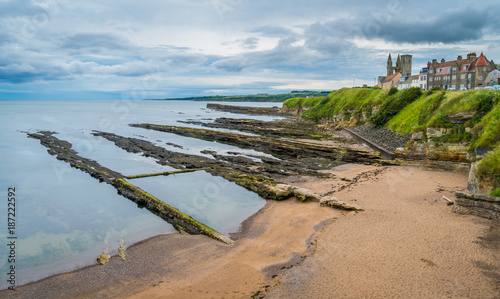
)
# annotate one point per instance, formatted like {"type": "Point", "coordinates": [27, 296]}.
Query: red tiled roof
{"type": "Point", "coordinates": [466, 69]}
{"type": "Point", "coordinates": [444, 71]}
{"type": "Point", "coordinates": [460, 63]}
{"type": "Point", "coordinates": [416, 77]}
{"type": "Point", "coordinates": [387, 79]}
{"type": "Point", "coordinates": [444, 64]}
{"type": "Point", "coordinates": [481, 61]}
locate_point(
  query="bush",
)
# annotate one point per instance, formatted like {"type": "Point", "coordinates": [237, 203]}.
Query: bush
{"type": "Point", "coordinates": [392, 91]}
{"type": "Point", "coordinates": [489, 167]}
{"type": "Point", "coordinates": [431, 91]}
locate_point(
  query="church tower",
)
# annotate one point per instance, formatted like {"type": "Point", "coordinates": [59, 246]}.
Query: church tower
{"type": "Point", "coordinates": [398, 65]}
{"type": "Point", "coordinates": [390, 69]}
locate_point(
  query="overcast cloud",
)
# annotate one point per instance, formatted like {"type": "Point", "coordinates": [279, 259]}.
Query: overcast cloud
{"type": "Point", "coordinates": [113, 49]}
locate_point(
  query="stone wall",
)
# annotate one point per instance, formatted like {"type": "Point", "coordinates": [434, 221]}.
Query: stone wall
{"type": "Point", "coordinates": [479, 205]}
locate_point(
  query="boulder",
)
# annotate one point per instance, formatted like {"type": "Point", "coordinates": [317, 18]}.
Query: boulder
{"type": "Point", "coordinates": [433, 133]}
{"type": "Point", "coordinates": [304, 194]}
{"type": "Point", "coordinates": [461, 117]}
{"type": "Point", "coordinates": [417, 135]}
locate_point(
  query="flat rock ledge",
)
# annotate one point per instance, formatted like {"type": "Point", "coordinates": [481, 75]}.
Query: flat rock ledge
{"type": "Point", "coordinates": [476, 204]}
{"type": "Point", "coordinates": [330, 201]}
{"type": "Point", "coordinates": [303, 194]}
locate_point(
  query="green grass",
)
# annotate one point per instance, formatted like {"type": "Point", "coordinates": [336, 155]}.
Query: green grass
{"type": "Point", "coordinates": [352, 99]}
{"type": "Point", "coordinates": [304, 102]}
{"type": "Point", "coordinates": [417, 114]}
{"type": "Point", "coordinates": [489, 167]}
{"type": "Point", "coordinates": [487, 129]}
{"type": "Point", "coordinates": [396, 102]}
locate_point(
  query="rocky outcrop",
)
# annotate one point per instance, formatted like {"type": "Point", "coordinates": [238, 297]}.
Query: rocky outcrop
{"type": "Point", "coordinates": [304, 194]}
{"type": "Point", "coordinates": [430, 150]}
{"type": "Point", "coordinates": [63, 151]}
{"type": "Point", "coordinates": [476, 204]}
{"type": "Point", "coordinates": [246, 109]}
{"type": "Point", "coordinates": [330, 201]}
{"type": "Point", "coordinates": [285, 128]}
{"type": "Point", "coordinates": [181, 221]}
{"type": "Point", "coordinates": [304, 155]}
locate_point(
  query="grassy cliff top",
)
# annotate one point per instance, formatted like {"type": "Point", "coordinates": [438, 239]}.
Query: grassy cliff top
{"type": "Point", "coordinates": [476, 112]}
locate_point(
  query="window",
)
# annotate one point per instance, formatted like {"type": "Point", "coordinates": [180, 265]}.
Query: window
{"type": "Point", "coordinates": [480, 77]}
{"type": "Point", "coordinates": [462, 85]}
{"type": "Point", "coordinates": [462, 76]}
{"type": "Point", "coordinates": [484, 69]}
{"type": "Point", "coordinates": [470, 76]}
{"type": "Point", "coordinates": [469, 86]}
{"type": "Point", "coordinates": [453, 86]}
{"type": "Point", "coordinates": [454, 68]}
{"type": "Point", "coordinates": [430, 79]}
{"type": "Point", "coordinates": [431, 72]}
{"type": "Point", "coordinates": [454, 77]}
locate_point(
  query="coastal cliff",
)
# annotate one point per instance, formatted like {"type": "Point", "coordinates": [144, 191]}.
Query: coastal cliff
{"type": "Point", "coordinates": [460, 127]}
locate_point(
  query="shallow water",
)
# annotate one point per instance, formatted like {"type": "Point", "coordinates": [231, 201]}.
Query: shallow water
{"type": "Point", "coordinates": [65, 218]}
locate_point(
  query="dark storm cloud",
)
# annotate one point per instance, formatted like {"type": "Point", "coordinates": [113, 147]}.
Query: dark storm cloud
{"type": "Point", "coordinates": [451, 26]}
{"type": "Point", "coordinates": [284, 53]}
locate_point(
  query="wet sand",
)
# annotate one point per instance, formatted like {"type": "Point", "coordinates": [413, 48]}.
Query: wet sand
{"type": "Point", "coordinates": [406, 244]}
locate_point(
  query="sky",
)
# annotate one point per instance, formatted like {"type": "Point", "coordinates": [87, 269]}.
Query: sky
{"type": "Point", "coordinates": [151, 49]}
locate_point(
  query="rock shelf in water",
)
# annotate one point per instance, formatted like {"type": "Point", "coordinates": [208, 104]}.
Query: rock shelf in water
{"type": "Point", "coordinates": [181, 221]}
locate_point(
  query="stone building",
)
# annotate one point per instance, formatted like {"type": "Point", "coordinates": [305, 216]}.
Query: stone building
{"type": "Point", "coordinates": [389, 81]}
{"type": "Point", "coordinates": [403, 65]}
{"type": "Point", "coordinates": [461, 73]}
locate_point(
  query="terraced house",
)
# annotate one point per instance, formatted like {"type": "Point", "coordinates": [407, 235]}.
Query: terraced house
{"type": "Point", "coordinates": [458, 74]}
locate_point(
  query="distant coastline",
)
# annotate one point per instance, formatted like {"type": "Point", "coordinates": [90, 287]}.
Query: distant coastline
{"type": "Point", "coordinates": [256, 97]}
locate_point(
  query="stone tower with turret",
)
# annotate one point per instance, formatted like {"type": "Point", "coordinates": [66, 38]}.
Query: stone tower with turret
{"type": "Point", "coordinates": [406, 65]}
{"type": "Point", "coordinates": [403, 65]}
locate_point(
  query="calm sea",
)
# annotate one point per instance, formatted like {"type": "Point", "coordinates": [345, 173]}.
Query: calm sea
{"type": "Point", "coordinates": [64, 218]}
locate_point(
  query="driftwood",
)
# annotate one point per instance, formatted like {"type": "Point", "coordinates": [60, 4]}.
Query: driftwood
{"type": "Point", "coordinates": [449, 201]}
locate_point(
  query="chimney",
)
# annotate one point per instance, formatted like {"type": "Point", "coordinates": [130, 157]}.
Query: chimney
{"type": "Point", "coordinates": [434, 61]}
{"type": "Point", "coordinates": [471, 56]}
{"type": "Point", "coordinates": [459, 57]}
{"type": "Point", "coordinates": [442, 60]}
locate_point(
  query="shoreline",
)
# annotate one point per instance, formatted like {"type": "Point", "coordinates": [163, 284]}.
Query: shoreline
{"type": "Point", "coordinates": [245, 226]}
{"type": "Point", "coordinates": [284, 240]}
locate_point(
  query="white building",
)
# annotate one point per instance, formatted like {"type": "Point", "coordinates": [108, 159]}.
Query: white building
{"type": "Point", "coordinates": [422, 78]}
{"type": "Point", "coordinates": [415, 81]}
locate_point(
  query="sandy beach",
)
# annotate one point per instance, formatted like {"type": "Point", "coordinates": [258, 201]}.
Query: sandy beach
{"type": "Point", "coordinates": [405, 244]}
